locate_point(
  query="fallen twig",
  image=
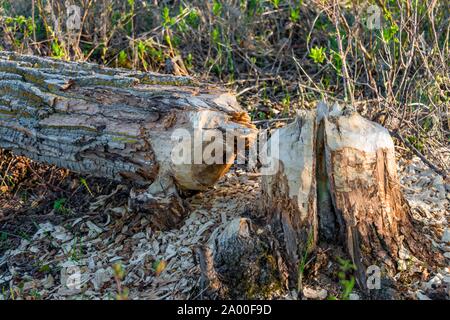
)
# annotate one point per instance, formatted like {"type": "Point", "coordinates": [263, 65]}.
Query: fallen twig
{"type": "Point", "coordinates": [433, 167]}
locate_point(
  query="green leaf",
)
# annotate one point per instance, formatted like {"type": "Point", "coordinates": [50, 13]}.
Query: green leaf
{"type": "Point", "coordinates": [217, 8]}
{"type": "Point", "coordinates": [389, 33]}
{"type": "Point", "coordinates": [59, 205]}
{"type": "Point", "coordinates": [193, 19]}
{"type": "Point", "coordinates": [294, 14]}
{"type": "Point", "coordinates": [318, 54]}
{"type": "Point", "coordinates": [84, 183]}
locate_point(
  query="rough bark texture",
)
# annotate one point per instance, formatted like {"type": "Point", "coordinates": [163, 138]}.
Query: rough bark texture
{"type": "Point", "coordinates": [374, 218]}
{"type": "Point", "coordinates": [242, 261]}
{"type": "Point", "coordinates": [113, 123]}
{"type": "Point", "coordinates": [289, 193]}
{"type": "Point", "coordinates": [338, 179]}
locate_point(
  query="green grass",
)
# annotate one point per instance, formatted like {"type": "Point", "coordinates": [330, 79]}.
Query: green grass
{"type": "Point", "coordinates": [304, 260]}
{"type": "Point", "coordinates": [346, 279]}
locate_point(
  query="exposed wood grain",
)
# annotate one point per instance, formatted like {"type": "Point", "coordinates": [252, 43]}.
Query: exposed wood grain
{"type": "Point", "coordinates": [376, 222]}
{"type": "Point", "coordinates": [337, 180]}
{"type": "Point", "coordinates": [289, 194]}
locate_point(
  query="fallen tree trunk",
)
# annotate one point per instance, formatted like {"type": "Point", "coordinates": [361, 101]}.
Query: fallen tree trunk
{"type": "Point", "coordinates": [118, 124]}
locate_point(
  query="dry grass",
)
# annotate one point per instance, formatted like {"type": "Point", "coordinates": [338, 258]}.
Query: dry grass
{"type": "Point", "coordinates": [278, 55]}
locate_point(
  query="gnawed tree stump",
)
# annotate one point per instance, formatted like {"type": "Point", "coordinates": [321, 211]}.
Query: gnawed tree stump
{"type": "Point", "coordinates": [118, 124]}
{"type": "Point", "coordinates": [374, 219]}
{"type": "Point", "coordinates": [289, 191]}
{"type": "Point", "coordinates": [242, 261]}
{"type": "Point", "coordinates": [338, 179]}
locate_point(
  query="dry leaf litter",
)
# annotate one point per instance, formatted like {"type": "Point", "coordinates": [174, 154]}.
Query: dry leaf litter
{"type": "Point", "coordinates": [162, 264]}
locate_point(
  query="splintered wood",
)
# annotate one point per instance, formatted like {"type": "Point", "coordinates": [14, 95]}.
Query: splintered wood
{"type": "Point", "coordinates": [337, 180]}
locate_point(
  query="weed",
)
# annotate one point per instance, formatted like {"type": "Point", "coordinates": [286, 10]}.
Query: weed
{"type": "Point", "coordinates": [119, 275]}
{"type": "Point", "coordinates": [75, 253]}
{"type": "Point", "coordinates": [85, 184]}
{"type": "Point", "coordinates": [294, 13]}
{"type": "Point", "coordinates": [60, 206]}
{"type": "Point", "coordinates": [346, 279]}
{"type": "Point", "coordinates": [217, 8]}
{"type": "Point", "coordinates": [275, 3]}
{"type": "Point", "coordinates": [304, 260]}
{"type": "Point", "coordinates": [318, 55]}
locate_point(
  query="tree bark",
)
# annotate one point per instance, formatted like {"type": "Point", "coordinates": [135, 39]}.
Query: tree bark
{"type": "Point", "coordinates": [116, 123]}
{"type": "Point", "coordinates": [289, 192]}
{"type": "Point", "coordinates": [338, 180]}
{"type": "Point", "coordinates": [374, 219]}
{"type": "Point", "coordinates": [241, 261]}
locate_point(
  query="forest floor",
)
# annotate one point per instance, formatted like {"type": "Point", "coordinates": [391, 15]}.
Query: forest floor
{"type": "Point", "coordinates": [53, 223]}
{"type": "Point", "coordinates": [278, 57]}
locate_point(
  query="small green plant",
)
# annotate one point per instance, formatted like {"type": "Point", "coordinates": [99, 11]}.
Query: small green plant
{"type": "Point", "coordinates": [45, 268]}
{"type": "Point", "coordinates": [189, 61]}
{"type": "Point", "coordinates": [168, 21]}
{"type": "Point", "coordinates": [304, 260]}
{"type": "Point", "coordinates": [254, 7]}
{"type": "Point", "coordinates": [76, 251]}
{"type": "Point", "coordinates": [57, 50]}
{"type": "Point", "coordinates": [19, 29]}
{"type": "Point", "coordinates": [427, 124]}
{"type": "Point", "coordinates": [35, 295]}
{"type": "Point", "coordinates": [294, 13]}
{"type": "Point", "coordinates": [389, 33]}
{"type": "Point", "coordinates": [24, 235]}
{"type": "Point", "coordinates": [416, 142]}
{"type": "Point", "coordinates": [193, 19]}
{"type": "Point", "coordinates": [318, 54]}
{"type": "Point", "coordinates": [122, 59]}
{"type": "Point", "coordinates": [261, 115]}
{"type": "Point", "coordinates": [85, 184]}
{"type": "Point", "coordinates": [217, 8]}
{"type": "Point", "coordinates": [346, 278]}
{"type": "Point", "coordinates": [119, 275]}
{"type": "Point", "coordinates": [336, 61]}
{"type": "Point", "coordinates": [216, 37]}
{"type": "Point", "coordinates": [60, 206]}
{"type": "Point", "coordinates": [286, 101]}
{"type": "Point", "coordinates": [275, 3]}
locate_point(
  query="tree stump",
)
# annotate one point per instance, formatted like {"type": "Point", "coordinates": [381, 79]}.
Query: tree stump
{"type": "Point", "coordinates": [375, 220]}
{"type": "Point", "coordinates": [242, 261]}
{"type": "Point", "coordinates": [289, 198]}
{"type": "Point", "coordinates": [337, 181]}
